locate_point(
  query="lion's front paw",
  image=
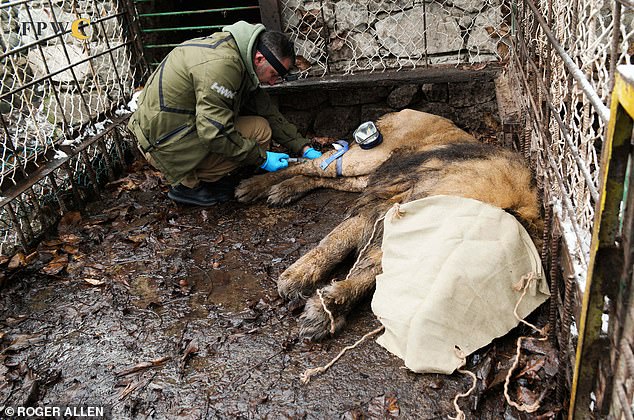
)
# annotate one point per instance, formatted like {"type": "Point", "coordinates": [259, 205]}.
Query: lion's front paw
{"type": "Point", "coordinates": [281, 194]}
{"type": "Point", "coordinates": [292, 284]}
{"type": "Point", "coordinates": [315, 324]}
{"type": "Point", "coordinates": [253, 189]}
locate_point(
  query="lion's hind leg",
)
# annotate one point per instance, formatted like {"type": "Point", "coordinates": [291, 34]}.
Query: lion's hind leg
{"type": "Point", "coordinates": [303, 277]}
{"type": "Point", "coordinates": [339, 298]}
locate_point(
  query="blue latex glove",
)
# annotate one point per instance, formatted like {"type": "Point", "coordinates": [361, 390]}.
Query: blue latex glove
{"type": "Point", "coordinates": [275, 161]}
{"type": "Point", "coordinates": [311, 153]}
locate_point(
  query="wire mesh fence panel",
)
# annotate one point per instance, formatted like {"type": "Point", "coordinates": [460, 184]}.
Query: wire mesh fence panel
{"type": "Point", "coordinates": [67, 69]}
{"type": "Point", "coordinates": [564, 61]}
{"type": "Point", "coordinates": [567, 132]}
{"type": "Point", "coordinates": [343, 37]}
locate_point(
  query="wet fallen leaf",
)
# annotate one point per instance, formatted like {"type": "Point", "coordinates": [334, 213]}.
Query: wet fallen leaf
{"type": "Point", "coordinates": [137, 238]}
{"type": "Point", "coordinates": [70, 249]}
{"type": "Point", "coordinates": [56, 265]}
{"type": "Point", "coordinates": [70, 238]}
{"type": "Point", "coordinates": [190, 350]}
{"type": "Point", "coordinates": [18, 260]}
{"type": "Point", "coordinates": [133, 386]}
{"type": "Point", "coordinates": [22, 341]}
{"type": "Point", "coordinates": [531, 368]}
{"type": "Point", "coordinates": [151, 181]}
{"type": "Point", "coordinates": [551, 367]}
{"type": "Point", "coordinates": [144, 365]}
{"type": "Point", "coordinates": [502, 368]}
{"type": "Point", "coordinates": [95, 282]}
{"type": "Point", "coordinates": [538, 346]}
{"type": "Point", "coordinates": [376, 407]}
{"type": "Point", "coordinates": [69, 221]}
{"type": "Point", "coordinates": [526, 396]}
{"type": "Point", "coordinates": [89, 271]}
{"type": "Point", "coordinates": [123, 184]}
{"type": "Point", "coordinates": [14, 321]}
{"type": "Point", "coordinates": [53, 243]}
{"type": "Point", "coordinates": [354, 414]}
{"type": "Point", "coordinates": [436, 383]}
{"type": "Point", "coordinates": [392, 407]}
{"type": "Point", "coordinates": [550, 415]}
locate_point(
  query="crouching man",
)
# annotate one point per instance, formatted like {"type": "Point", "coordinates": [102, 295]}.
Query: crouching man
{"type": "Point", "coordinates": [203, 114]}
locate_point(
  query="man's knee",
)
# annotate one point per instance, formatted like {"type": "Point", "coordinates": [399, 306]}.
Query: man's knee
{"type": "Point", "coordinates": [264, 131]}
{"type": "Point", "coordinates": [255, 128]}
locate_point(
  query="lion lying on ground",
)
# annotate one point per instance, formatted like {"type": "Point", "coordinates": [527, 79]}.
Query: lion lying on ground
{"type": "Point", "coordinates": [421, 155]}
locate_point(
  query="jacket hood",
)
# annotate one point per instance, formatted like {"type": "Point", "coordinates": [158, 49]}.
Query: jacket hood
{"type": "Point", "coordinates": [246, 36]}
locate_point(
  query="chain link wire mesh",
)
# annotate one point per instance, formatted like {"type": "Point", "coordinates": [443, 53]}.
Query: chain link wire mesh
{"type": "Point", "coordinates": [567, 119]}
{"type": "Point", "coordinates": [66, 70]}
{"type": "Point", "coordinates": [564, 63]}
{"type": "Point", "coordinates": [348, 36]}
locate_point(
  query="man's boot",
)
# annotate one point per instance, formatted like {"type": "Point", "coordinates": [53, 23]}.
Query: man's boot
{"type": "Point", "coordinates": [201, 195]}
{"type": "Point", "coordinates": [226, 185]}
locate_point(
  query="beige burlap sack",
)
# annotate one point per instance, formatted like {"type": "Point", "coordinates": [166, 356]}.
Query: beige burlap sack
{"type": "Point", "coordinates": [449, 267]}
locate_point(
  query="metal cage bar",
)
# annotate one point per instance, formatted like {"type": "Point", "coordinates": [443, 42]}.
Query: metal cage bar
{"type": "Point", "coordinates": [62, 108]}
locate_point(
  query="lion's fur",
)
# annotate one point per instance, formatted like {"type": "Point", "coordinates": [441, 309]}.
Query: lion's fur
{"type": "Point", "coordinates": [421, 155]}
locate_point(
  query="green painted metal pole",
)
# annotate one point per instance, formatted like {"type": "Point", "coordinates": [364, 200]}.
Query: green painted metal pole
{"type": "Point", "coordinates": [183, 28]}
{"type": "Point", "coordinates": [191, 12]}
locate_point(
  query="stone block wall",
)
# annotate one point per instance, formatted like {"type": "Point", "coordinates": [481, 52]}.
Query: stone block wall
{"type": "Point", "coordinates": [336, 113]}
{"type": "Point", "coordinates": [344, 36]}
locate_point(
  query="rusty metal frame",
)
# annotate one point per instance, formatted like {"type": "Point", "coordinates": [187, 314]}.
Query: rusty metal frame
{"type": "Point", "coordinates": [29, 226]}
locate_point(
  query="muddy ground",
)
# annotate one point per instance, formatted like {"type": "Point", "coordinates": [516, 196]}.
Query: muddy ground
{"type": "Point", "coordinates": [162, 311]}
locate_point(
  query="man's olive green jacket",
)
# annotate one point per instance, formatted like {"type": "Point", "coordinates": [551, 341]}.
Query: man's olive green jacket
{"type": "Point", "coordinates": [189, 104]}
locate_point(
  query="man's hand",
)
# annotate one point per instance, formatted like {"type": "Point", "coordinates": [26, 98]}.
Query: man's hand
{"type": "Point", "coordinates": [275, 161]}
{"type": "Point", "coordinates": [311, 153]}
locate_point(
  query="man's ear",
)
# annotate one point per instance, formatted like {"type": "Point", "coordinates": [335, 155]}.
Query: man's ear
{"type": "Point", "coordinates": [259, 58]}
